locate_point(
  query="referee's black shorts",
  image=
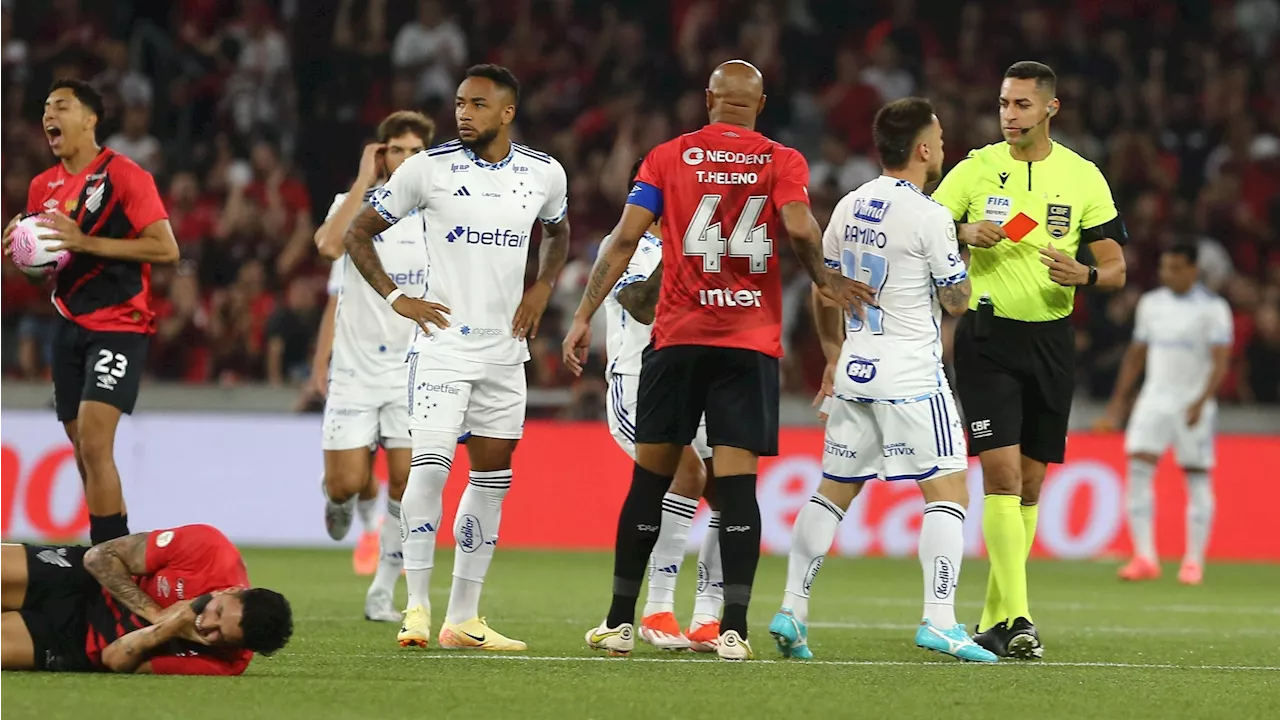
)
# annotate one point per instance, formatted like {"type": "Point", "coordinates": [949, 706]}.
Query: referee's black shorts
{"type": "Point", "coordinates": [736, 388]}
{"type": "Point", "coordinates": [1015, 385]}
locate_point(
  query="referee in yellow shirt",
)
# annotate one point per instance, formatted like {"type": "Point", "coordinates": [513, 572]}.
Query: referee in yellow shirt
{"type": "Point", "coordinates": [1024, 207]}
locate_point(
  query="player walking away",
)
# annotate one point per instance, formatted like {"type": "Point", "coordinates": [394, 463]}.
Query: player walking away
{"type": "Point", "coordinates": [716, 339]}
{"type": "Point", "coordinates": [630, 309]}
{"type": "Point", "coordinates": [366, 402]}
{"type": "Point", "coordinates": [479, 196]}
{"type": "Point", "coordinates": [890, 413]}
{"type": "Point", "coordinates": [170, 602]}
{"type": "Point", "coordinates": [1182, 338]}
{"type": "Point", "coordinates": [1024, 207]}
{"type": "Point", "coordinates": [106, 211]}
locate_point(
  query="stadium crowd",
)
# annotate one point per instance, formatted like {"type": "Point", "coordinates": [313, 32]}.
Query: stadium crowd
{"type": "Point", "coordinates": [251, 115]}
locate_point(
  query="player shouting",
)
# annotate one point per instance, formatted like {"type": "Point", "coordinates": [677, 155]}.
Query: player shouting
{"type": "Point", "coordinates": [479, 196]}
{"type": "Point", "coordinates": [169, 602]}
{"type": "Point", "coordinates": [717, 336]}
{"type": "Point", "coordinates": [630, 307]}
{"type": "Point", "coordinates": [366, 401]}
{"type": "Point", "coordinates": [106, 211]}
{"type": "Point", "coordinates": [891, 415]}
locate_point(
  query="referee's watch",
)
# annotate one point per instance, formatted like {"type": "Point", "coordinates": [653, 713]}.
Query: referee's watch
{"type": "Point", "coordinates": [1093, 275]}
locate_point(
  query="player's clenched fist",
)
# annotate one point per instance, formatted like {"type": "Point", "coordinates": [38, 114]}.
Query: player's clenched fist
{"type": "Point", "coordinates": [422, 312]}
{"type": "Point", "coordinates": [576, 345]}
{"type": "Point", "coordinates": [846, 293]}
{"type": "Point", "coordinates": [983, 234]}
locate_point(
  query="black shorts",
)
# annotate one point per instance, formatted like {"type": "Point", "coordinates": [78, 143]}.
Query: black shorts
{"type": "Point", "coordinates": [1015, 385]}
{"type": "Point", "coordinates": [60, 594]}
{"type": "Point", "coordinates": [91, 365]}
{"type": "Point", "coordinates": [736, 388]}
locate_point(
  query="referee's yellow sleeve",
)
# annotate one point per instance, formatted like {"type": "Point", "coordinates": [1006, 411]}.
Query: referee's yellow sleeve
{"type": "Point", "coordinates": [1099, 207]}
{"type": "Point", "coordinates": [953, 191]}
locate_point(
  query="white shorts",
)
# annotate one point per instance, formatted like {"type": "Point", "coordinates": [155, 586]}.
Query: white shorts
{"type": "Point", "coordinates": [449, 394]}
{"type": "Point", "coordinates": [358, 416]}
{"type": "Point", "coordinates": [1153, 428]}
{"type": "Point", "coordinates": [622, 417]}
{"type": "Point", "coordinates": [909, 441]}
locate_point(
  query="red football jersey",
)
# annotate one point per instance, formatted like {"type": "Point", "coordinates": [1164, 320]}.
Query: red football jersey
{"type": "Point", "coordinates": [183, 563]}
{"type": "Point", "coordinates": [111, 197]}
{"type": "Point", "coordinates": [719, 191]}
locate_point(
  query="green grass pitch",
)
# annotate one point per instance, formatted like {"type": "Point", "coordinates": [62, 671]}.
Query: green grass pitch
{"type": "Point", "coordinates": [1155, 650]}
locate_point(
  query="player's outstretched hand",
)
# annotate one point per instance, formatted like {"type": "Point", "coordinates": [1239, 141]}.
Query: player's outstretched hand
{"type": "Point", "coordinates": [67, 233]}
{"type": "Point", "coordinates": [529, 314]}
{"type": "Point", "coordinates": [983, 234]}
{"type": "Point", "coordinates": [8, 232]}
{"type": "Point", "coordinates": [575, 347]}
{"type": "Point", "coordinates": [846, 293]}
{"type": "Point", "coordinates": [422, 312]}
{"type": "Point", "coordinates": [827, 391]}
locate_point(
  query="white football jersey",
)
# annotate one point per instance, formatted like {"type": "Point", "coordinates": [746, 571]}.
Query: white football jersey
{"type": "Point", "coordinates": [892, 237]}
{"type": "Point", "coordinates": [1180, 332]}
{"type": "Point", "coordinates": [627, 338]}
{"type": "Point", "coordinates": [370, 340]}
{"type": "Point", "coordinates": [479, 216]}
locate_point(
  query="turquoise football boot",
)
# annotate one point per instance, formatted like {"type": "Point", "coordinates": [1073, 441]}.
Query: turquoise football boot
{"type": "Point", "coordinates": [954, 642]}
{"type": "Point", "coordinates": [791, 635]}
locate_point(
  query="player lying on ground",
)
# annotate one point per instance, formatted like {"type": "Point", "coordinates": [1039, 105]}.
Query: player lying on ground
{"type": "Point", "coordinates": [107, 212]}
{"type": "Point", "coordinates": [888, 406]}
{"type": "Point", "coordinates": [480, 195]}
{"type": "Point", "coordinates": [1182, 338]}
{"type": "Point", "coordinates": [630, 311]}
{"type": "Point", "coordinates": [717, 333]}
{"type": "Point", "coordinates": [365, 400]}
{"type": "Point", "coordinates": [170, 602]}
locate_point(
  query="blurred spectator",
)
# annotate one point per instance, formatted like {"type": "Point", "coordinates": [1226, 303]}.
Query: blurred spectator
{"type": "Point", "coordinates": [179, 350]}
{"type": "Point", "coordinates": [432, 47]}
{"type": "Point", "coordinates": [290, 332]}
{"type": "Point", "coordinates": [135, 141]}
{"type": "Point", "coordinates": [1261, 374]}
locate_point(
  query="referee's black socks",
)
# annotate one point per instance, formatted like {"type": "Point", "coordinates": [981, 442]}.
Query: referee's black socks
{"type": "Point", "coordinates": [638, 526]}
{"type": "Point", "coordinates": [739, 546]}
{"type": "Point", "coordinates": [107, 527]}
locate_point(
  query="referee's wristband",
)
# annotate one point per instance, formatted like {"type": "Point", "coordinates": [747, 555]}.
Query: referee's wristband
{"type": "Point", "coordinates": [393, 296]}
{"type": "Point", "coordinates": [1093, 276]}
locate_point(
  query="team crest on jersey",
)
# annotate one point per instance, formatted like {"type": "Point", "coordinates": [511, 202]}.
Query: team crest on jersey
{"type": "Point", "coordinates": [1058, 220]}
{"type": "Point", "coordinates": [72, 204]}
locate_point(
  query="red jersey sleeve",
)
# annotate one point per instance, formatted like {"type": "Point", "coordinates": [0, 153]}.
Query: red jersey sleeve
{"type": "Point", "coordinates": [193, 663]}
{"type": "Point", "coordinates": [650, 169]}
{"type": "Point", "coordinates": [141, 200]}
{"type": "Point", "coordinates": [188, 546]}
{"type": "Point", "coordinates": [793, 178]}
{"type": "Point", "coordinates": [33, 198]}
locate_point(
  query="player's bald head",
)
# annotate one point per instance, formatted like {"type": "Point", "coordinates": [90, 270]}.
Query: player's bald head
{"type": "Point", "coordinates": [735, 93]}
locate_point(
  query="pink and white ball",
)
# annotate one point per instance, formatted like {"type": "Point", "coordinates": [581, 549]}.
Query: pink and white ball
{"type": "Point", "coordinates": [31, 251]}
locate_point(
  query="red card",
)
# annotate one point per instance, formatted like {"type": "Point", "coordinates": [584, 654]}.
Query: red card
{"type": "Point", "coordinates": [1018, 226]}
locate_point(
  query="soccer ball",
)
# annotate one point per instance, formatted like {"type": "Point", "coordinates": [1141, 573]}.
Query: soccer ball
{"type": "Point", "coordinates": [31, 251]}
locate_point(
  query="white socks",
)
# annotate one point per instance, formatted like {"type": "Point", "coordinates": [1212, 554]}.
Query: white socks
{"type": "Point", "coordinates": [1199, 515]}
{"type": "Point", "coordinates": [420, 517]}
{"type": "Point", "coordinates": [710, 599]}
{"type": "Point", "coordinates": [367, 511]}
{"type": "Point", "coordinates": [941, 551]}
{"type": "Point", "coordinates": [668, 552]}
{"type": "Point", "coordinates": [1140, 506]}
{"type": "Point", "coordinates": [815, 530]}
{"type": "Point", "coordinates": [476, 533]}
{"type": "Point", "coordinates": [391, 549]}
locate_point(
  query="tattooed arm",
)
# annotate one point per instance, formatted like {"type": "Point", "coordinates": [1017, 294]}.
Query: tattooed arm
{"type": "Point", "coordinates": [640, 299]}
{"type": "Point", "coordinates": [359, 245]}
{"type": "Point", "coordinates": [551, 259]}
{"type": "Point", "coordinates": [955, 298]}
{"type": "Point", "coordinates": [115, 563]}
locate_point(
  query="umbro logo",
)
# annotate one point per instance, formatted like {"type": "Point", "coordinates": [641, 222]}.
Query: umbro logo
{"type": "Point", "coordinates": [462, 192]}
{"type": "Point", "coordinates": [1004, 177]}
{"type": "Point", "coordinates": [54, 557]}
